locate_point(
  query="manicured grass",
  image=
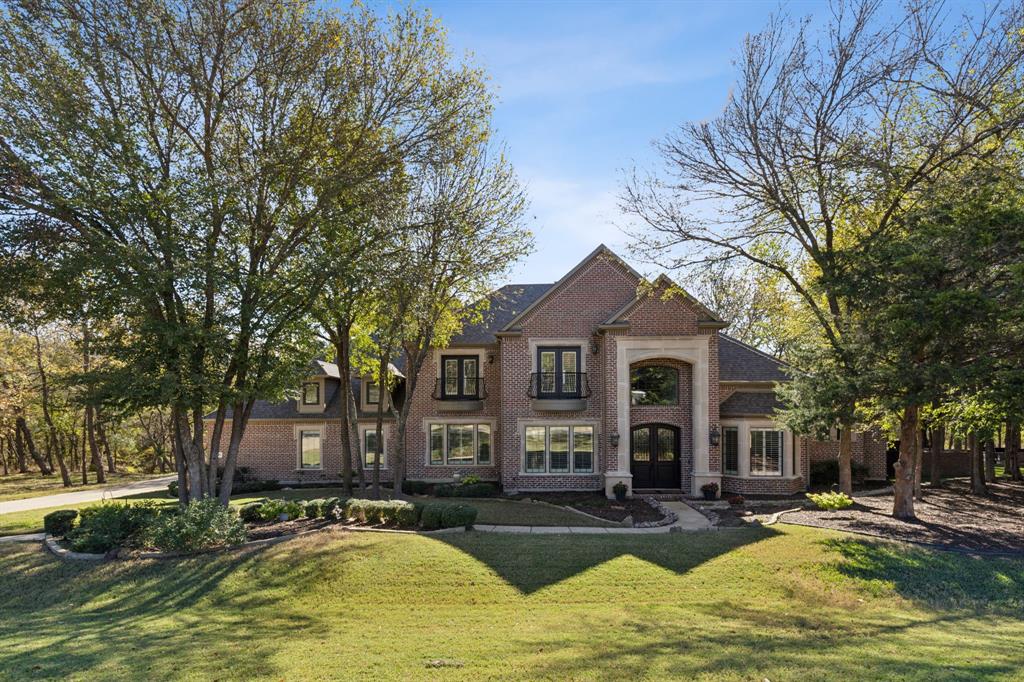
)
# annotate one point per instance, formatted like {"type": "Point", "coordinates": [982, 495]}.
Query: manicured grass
{"type": "Point", "coordinates": [786, 604]}
{"type": "Point", "coordinates": [491, 511]}
{"type": "Point", "coordinates": [21, 486]}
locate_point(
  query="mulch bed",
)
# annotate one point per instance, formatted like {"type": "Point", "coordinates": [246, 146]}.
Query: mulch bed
{"type": "Point", "coordinates": [274, 529]}
{"type": "Point", "coordinates": [948, 517]}
{"type": "Point", "coordinates": [600, 506]}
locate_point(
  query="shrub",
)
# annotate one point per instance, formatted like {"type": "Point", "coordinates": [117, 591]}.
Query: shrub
{"type": "Point", "coordinates": [470, 480]}
{"type": "Point", "coordinates": [315, 508]}
{"type": "Point", "coordinates": [710, 490]}
{"type": "Point", "coordinates": [172, 489]}
{"type": "Point", "coordinates": [830, 501]}
{"type": "Point", "coordinates": [271, 510]}
{"type": "Point", "coordinates": [107, 526]}
{"type": "Point", "coordinates": [466, 490]}
{"type": "Point", "coordinates": [388, 512]}
{"type": "Point", "coordinates": [334, 508]}
{"type": "Point", "coordinates": [250, 512]}
{"type": "Point", "coordinates": [415, 487]}
{"type": "Point", "coordinates": [59, 523]}
{"type": "Point", "coordinates": [432, 515]}
{"type": "Point", "coordinates": [254, 487]}
{"type": "Point", "coordinates": [458, 515]}
{"type": "Point", "coordinates": [825, 472]}
{"type": "Point", "coordinates": [203, 524]}
{"type": "Point", "coordinates": [735, 500]}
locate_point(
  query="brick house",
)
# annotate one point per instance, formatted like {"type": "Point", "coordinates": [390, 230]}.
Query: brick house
{"type": "Point", "coordinates": [597, 379]}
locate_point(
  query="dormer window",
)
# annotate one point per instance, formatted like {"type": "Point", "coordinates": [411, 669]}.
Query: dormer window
{"type": "Point", "coordinates": [372, 393]}
{"type": "Point", "coordinates": [311, 393]}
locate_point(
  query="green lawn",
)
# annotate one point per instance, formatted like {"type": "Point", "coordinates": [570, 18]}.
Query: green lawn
{"type": "Point", "coordinates": [506, 512]}
{"type": "Point", "coordinates": [786, 604]}
{"type": "Point", "coordinates": [21, 486]}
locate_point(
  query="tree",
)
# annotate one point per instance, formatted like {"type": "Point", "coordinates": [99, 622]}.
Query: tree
{"type": "Point", "coordinates": [825, 142]}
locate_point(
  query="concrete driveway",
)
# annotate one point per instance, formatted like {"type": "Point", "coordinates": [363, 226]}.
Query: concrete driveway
{"type": "Point", "coordinates": [72, 499]}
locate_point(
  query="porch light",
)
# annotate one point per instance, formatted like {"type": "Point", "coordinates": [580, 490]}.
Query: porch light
{"type": "Point", "coordinates": [613, 438]}
{"type": "Point", "coordinates": [595, 346]}
{"type": "Point", "coordinates": [715, 435]}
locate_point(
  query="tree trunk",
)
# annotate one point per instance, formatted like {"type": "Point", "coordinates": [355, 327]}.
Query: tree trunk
{"type": "Point", "coordinates": [990, 460]}
{"type": "Point", "coordinates": [1013, 450]}
{"type": "Point", "coordinates": [978, 486]}
{"type": "Point", "coordinates": [903, 485]}
{"type": "Point", "coordinates": [101, 433]}
{"type": "Point", "coordinates": [342, 335]}
{"type": "Point", "coordinates": [94, 450]}
{"type": "Point", "coordinates": [19, 451]}
{"type": "Point", "coordinates": [357, 447]}
{"type": "Point", "coordinates": [938, 445]}
{"type": "Point", "coordinates": [382, 377]}
{"type": "Point", "coordinates": [239, 419]}
{"type": "Point", "coordinates": [918, 464]}
{"type": "Point", "coordinates": [179, 459]}
{"type": "Point", "coordinates": [846, 459]}
{"type": "Point", "coordinates": [30, 446]}
{"type": "Point", "coordinates": [83, 458]}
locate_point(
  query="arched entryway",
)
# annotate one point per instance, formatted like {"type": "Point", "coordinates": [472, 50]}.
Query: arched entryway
{"type": "Point", "coordinates": [654, 455]}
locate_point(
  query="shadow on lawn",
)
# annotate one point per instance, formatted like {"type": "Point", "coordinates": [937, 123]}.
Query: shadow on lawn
{"type": "Point", "coordinates": [75, 617]}
{"type": "Point", "coordinates": [554, 558]}
{"type": "Point", "coordinates": [938, 579]}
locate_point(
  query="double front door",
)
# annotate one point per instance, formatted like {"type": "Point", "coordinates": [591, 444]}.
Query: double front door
{"type": "Point", "coordinates": [654, 456]}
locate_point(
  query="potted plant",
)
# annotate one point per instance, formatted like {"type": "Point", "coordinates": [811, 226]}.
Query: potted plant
{"type": "Point", "coordinates": [620, 491]}
{"type": "Point", "coordinates": [710, 490]}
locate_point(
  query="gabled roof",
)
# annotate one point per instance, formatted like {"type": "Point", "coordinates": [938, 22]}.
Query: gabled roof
{"type": "Point", "coordinates": [505, 304]}
{"type": "Point", "coordinates": [322, 368]}
{"type": "Point", "coordinates": [601, 250]}
{"type": "Point", "coordinates": [739, 362]}
{"type": "Point", "coordinates": [750, 403]}
{"type": "Point", "coordinates": [664, 281]}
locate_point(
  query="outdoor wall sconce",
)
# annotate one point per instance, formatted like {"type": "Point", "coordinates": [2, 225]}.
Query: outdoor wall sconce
{"type": "Point", "coordinates": [715, 435]}
{"type": "Point", "coordinates": [490, 358]}
{"type": "Point", "coordinates": [595, 346]}
{"type": "Point", "coordinates": [614, 439]}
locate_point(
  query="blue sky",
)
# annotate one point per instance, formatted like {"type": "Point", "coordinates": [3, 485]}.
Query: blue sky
{"type": "Point", "coordinates": [584, 88]}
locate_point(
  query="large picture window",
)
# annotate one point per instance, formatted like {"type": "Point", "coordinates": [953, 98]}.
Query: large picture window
{"type": "Point", "coordinates": [766, 452]}
{"type": "Point", "coordinates": [656, 385]}
{"type": "Point", "coordinates": [310, 449]}
{"type": "Point", "coordinates": [559, 449]}
{"type": "Point", "coordinates": [461, 377]}
{"type": "Point", "coordinates": [460, 444]}
{"type": "Point", "coordinates": [731, 450]}
{"type": "Point", "coordinates": [558, 372]}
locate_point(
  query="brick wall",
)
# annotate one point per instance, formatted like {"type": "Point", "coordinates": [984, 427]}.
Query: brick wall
{"type": "Point", "coordinates": [680, 415]}
{"type": "Point", "coordinates": [868, 448]}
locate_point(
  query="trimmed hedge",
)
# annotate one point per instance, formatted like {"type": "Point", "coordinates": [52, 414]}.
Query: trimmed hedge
{"type": "Point", "coordinates": [415, 487]}
{"type": "Point", "coordinates": [108, 526]}
{"type": "Point", "coordinates": [272, 509]}
{"type": "Point", "coordinates": [397, 513]}
{"type": "Point", "coordinates": [59, 523]}
{"type": "Point", "coordinates": [466, 490]}
{"type": "Point", "coordinates": [437, 515]}
{"type": "Point", "coordinates": [250, 511]}
{"type": "Point", "coordinates": [387, 512]}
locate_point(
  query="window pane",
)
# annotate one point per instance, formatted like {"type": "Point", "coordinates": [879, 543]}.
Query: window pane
{"type": "Point", "coordinates": [559, 449]}
{"type": "Point", "coordinates": [372, 393]}
{"type": "Point", "coordinates": [437, 443]}
{"type": "Point", "coordinates": [370, 449]}
{"type": "Point", "coordinates": [460, 443]}
{"type": "Point", "coordinates": [642, 445]}
{"type": "Point", "coordinates": [310, 449]}
{"type": "Point", "coordinates": [451, 376]}
{"type": "Point", "coordinates": [731, 450]}
{"type": "Point", "coordinates": [569, 372]}
{"type": "Point", "coordinates": [469, 376]}
{"type": "Point", "coordinates": [773, 452]}
{"type": "Point", "coordinates": [654, 386]}
{"type": "Point", "coordinates": [483, 443]}
{"type": "Point", "coordinates": [311, 393]}
{"type": "Point", "coordinates": [666, 445]}
{"type": "Point", "coordinates": [583, 449]}
{"type": "Point", "coordinates": [535, 449]}
{"type": "Point", "coordinates": [547, 372]}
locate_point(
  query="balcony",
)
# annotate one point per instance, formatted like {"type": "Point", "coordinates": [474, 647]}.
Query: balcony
{"type": "Point", "coordinates": [460, 396]}
{"type": "Point", "coordinates": [559, 391]}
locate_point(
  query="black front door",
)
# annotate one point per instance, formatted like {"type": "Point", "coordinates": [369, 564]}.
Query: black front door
{"type": "Point", "coordinates": [654, 456]}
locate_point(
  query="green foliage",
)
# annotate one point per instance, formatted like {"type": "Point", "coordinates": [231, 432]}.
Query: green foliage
{"type": "Point", "coordinates": [469, 480]}
{"type": "Point", "coordinates": [831, 500]}
{"type": "Point", "coordinates": [415, 487]}
{"type": "Point", "coordinates": [203, 524]}
{"type": "Point", "coordinates": [251, 512]}
{"type": "Point", "coordinates": [172, 489]}
{"type": "Point", "coordinates": [315, 509]}
{"type": "Point", "coordinates": [108, 526]}
{"type": "Point", "coordinates": [334, 507]}
{"type": "Point", "coordinates": [432, 515]}
{"type": "Point", "coordinates": [466, 490]}
{"type": "Point", "coordinates": [826, 472]}
{"type": "Point", "coordinates": [271, 510]}
{"type": "Point", "coordinates": [386, 512]}
{"type": "Point", "coordinates": [458, 516]}
{"type": "Point", "coordinates": [59, 523]}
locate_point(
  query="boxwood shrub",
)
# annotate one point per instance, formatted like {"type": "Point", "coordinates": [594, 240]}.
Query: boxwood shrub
{"type": "Point", "coordinates": [432, 515]}
{"type": "Point", "coordinates": [59, 523]}
{"type": "Point", "coordinates": [458, 515]}
{"type": "Point", "coordinates": [250, 511]}
{"type": "Point", "coordinates": [272, 509]}
{"type": "Point", "coordinates": [110, 525]}
{"type": "Point", "coordinates": [415, 487]}
{"type": "Point", "coordinates": [203, 524]}
{"type": "Point", "coordinates": [477, 489]}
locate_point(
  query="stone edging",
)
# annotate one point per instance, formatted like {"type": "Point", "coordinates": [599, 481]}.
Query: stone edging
{"type": "Point", "coordinates": [61, 553]}
{"type": "Point", "coordinates": [668, 517]}
{"type": "Point", "coordinates": [774, 518]}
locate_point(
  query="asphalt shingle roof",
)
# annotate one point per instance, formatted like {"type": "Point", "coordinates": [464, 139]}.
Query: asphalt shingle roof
{"type": "Point", "coordinates": [739, 362]}
{"type": "Point", "coordinates": [743, 403]}
{"type": "Point", "coordinates": [505, 304]}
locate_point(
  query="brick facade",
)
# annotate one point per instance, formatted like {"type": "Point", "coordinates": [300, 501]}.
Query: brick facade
{"type": "Point", "coordinates": [598, 309]}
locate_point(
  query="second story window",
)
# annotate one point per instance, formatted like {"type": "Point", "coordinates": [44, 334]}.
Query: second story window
{"type": "Point", "coordinates": [372, 393]}
{"type": "Point", "coordinates": [311, 393]}
{"type": "Point", "coordinates": [558, 372]}
{"type": "Point", "coordinates": [460, 377]}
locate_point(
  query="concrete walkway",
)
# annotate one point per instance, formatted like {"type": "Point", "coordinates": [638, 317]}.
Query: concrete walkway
{"type": "Point", "coordinates": [688, 519]}
{"type": "Point", "coordinates": [27, 537]}
{"type": "Point", "coordinates": [92, 495]}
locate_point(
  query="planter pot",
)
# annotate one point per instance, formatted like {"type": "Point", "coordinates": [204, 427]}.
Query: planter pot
{"type": "Point", "coordinates": [620, 495]}
{"type": "Point", "coordinates": [709, 495]}
{"type": "Point", "coordinates": [282, 517]}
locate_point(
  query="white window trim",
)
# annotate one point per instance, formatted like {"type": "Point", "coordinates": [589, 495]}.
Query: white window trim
{"type": "Point", "coordinates": [297, 430]}
{"type": "Point", "coordinates": [783, 455]}
{"type": "Point", "coordinates": [459, 421]}
{"type": "Point", "coordinates": [547, 447]}
{"type": "Point", "coordinates": [367, 406]}
{"type": "Point", "coordinates": [790, 460]}
{"type": "Point", "coordinates": [363, 428]}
